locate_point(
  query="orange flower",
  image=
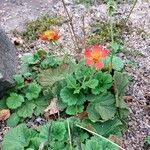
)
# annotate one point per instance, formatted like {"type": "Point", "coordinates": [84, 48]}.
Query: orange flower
{"type": "Point", "coordinates": [49, 35]}
{"type": "Point", "coordinates": [94, 55]}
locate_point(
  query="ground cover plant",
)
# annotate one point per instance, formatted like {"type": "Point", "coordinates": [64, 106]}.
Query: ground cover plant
{"type": "Point", "coordinates": [92, 93]}
{"type": "Point", "coordinates": [89, 98]}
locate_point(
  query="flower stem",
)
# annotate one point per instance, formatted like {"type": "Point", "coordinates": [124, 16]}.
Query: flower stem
{"type": "Point", "coordinates": [110, 12]}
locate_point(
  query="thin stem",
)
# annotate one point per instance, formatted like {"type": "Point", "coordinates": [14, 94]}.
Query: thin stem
{"type": "Point", "coordinates": [100, 136]}
{"type": "Point", "coordinates": [110, 10]}
{"type": "Point", "coordinates": [69, 134]}
{"type": "Point", "coordinates": [71, 27]}
{"type": "Point", "coordinates": [111, 28]}
{"type": "Point", "coordinates": [48, 140]}
{"type": "Point", "coordinates": [63, 51]}
{"type": "Point", "coordinates": [134, 4]}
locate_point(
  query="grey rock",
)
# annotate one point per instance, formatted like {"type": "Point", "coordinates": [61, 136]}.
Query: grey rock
{"type": "Point", "coordinates": [8, 62]}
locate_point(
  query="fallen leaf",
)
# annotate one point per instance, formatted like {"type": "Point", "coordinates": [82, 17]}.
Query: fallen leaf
{"type": "Point", "coordinates": [115, 139]}
{"type": "Point", "coordinates": [4, 114]}
{"type": "Point", "coordinates": [82, 115]}
{"type": "Point", "coordinates": [51, 109]}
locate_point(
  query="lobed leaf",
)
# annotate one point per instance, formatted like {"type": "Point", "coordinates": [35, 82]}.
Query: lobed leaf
{"type": "Point", "coordinates": [68, 97]}
{"type": "Point", "coordinates": [47, 78]}
{"type": "Point", "coordinates": [102, 108]}
{"type": "Point", "coordinates": [26, 110]}
{"type": "Point", "coordinates": [17, 138]}
{"type": "Point", "coordinates": [33, 91]}
{"type": "Point", "coordinates": [14, 100]}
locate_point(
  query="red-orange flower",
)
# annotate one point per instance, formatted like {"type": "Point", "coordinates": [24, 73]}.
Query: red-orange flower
{"type": "Point", "coordinates": [49, 35]}
{"type": "Point", "coordinates": [94, 55]}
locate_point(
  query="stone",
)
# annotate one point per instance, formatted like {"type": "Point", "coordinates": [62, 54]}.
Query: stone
{"type": "Point", "coordinates": [8, 62]}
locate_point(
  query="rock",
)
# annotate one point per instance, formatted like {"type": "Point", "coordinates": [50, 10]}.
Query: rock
{"type": "Point", "coordinates": [8, 62]}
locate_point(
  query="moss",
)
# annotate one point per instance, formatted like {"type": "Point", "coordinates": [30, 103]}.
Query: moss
{"type": "Point", "coordinates": [43, 23]}
{"type": "Point", "coordinates": [101, 32]}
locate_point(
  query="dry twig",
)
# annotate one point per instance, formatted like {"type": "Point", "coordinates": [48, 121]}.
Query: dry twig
{"type": "Point", "coordinates": [71, 28]}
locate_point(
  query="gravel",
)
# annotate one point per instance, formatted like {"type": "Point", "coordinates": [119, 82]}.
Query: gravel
{"type": "Point", "coordinates": [139, 121]}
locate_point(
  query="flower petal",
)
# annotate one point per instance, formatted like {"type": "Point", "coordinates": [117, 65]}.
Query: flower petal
{"type": "Point", "coordinates": [104, 53]}
{"type": "Point", "coordinates": [99, 65]}
{"type": "Point", "coordinates": [49, 35]}
{"type": "Point", "coordinates": [96, 49]}
{"type": "Point", "coordinates": [87, 53]}
{"type": "Point", "coordinates": [89, 62]}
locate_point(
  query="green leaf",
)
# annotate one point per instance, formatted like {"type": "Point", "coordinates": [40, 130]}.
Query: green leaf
{"type": "Point", "coordinates": [73, 110]}
{"type": "Point", "coordinates": [92, 114]}
{"type": "Point", "coordinates": [93, 145]}
{"type": "Point", "coordinates": [27, 75]}
{"type": "Point", "coordinates": [71, 82]}
{"type": "Point", "coordinates": [13, 120]}
{"type": "Point", "coordinates": [123, 113]}
{"type": "Point", "coordinates": [58, 130]}
{"type": "Point", "coordinates": [48, 62]}
{"type": "Point", "coordinates": [110, 127]}
{"type": "Point", "coordinates": [41, 53]}
{"type": "Point", "coordinates": [41, 104]}
{"type": "Point", "coordinates": [29, 59]}
{"type": "Point", "coordinates": [56, 145]}
{"type": "Point", "coordinates": [120, 84]}
{"type": "Point", "coordinates": [3, 103]}
{"type": "Point", "coordinates": [19, 79]}
{"type": "Point", "coordinates": [48, 94]}
{"type": "Point", "coordinates": [44, 132]}
{"type": "Point", "coordinates": [104, 106]}
{"type": "Point", "coordinates": [14, 100]}
{"type": "Point", "coordinates": [107, 128]}
{"type": "Point", "coordinates": [61, 105]}
{"type": "Point", "coordinates": [117, 63]}
{"type": "Point", "coordinates": [33, 91]}
{"type": "Point", "coordinates": [96, 143]}
{"type": "Point", "coordinates": [147, 139]}
{"type": "Point", "coordinates": [17, 138]}
{"type": "Point", "coordinates": [68, 97]}
{"type": "Point", "coordinates": [24, 69]}
{"type": "Point", "coordinates": [83, 71]}
{"type": "Point", "coordinates": [105, 82]}
{"type": "Point", "coordinates": [47, 78]}
{"type": "Point", "coordinates": [115, 47]}
{"type": "Point", "coordinates": [92, 83]}
{"type": "Point", "coordinates": [26, 110]}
